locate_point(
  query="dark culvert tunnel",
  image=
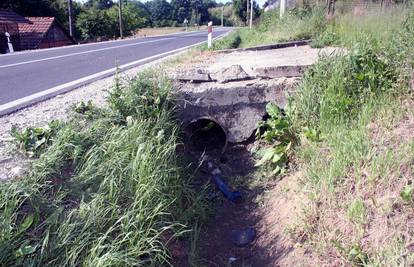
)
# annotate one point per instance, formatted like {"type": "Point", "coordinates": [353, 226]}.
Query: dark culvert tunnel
{"type": "Point", "coordinates": [206, 134]}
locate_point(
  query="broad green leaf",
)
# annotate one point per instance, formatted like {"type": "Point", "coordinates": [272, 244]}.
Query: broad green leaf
{"type": "Point", "coordinates": [272, 110]}
{"type": "Point", "coordinates": [28, 221]}
{"type": "Point", "coordinates": [25, 250]}
{"type": "Point", "coordinates": [277, 157]}
{"type": "Point", "coordinates": [407, 193]}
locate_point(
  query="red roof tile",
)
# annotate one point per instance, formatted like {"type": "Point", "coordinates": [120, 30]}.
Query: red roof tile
{"type": "Point", "coordinates": [31, 34]}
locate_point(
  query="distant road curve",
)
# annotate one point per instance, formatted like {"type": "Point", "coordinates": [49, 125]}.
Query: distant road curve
{"type": "Point", "coordinates": [27, 77]}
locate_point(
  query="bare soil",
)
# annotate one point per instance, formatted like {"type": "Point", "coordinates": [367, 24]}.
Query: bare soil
{"type": "Point", "coordinates": [269, 207]}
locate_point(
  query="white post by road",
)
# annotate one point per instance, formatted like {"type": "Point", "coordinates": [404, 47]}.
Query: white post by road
{"type": "Point", "coordinates": [282, 7]}
{"type": "Point", "coordinates": [210, 34]}
{"type": "Point", "coordinates": [9, 44]}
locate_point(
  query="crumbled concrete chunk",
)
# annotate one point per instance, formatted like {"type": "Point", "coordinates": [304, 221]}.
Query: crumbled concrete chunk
{"type": "Point", "coordinates": [231, 74]}
{"type": "Point", "coordinates": [280, 71]}
{"type": "Point", "coordinates": [195, 76]}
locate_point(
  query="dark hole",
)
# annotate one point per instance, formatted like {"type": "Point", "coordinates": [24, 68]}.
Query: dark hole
{"type": "Point", "coordinates": [223, 159]}
{"type": "Point", "coordinates": [262, 129]}
{"type": "Point", "coordinates": [206, 135]}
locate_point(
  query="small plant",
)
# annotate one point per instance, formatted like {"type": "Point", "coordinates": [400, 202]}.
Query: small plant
{"type": "Point", "coordinates": [84, 108]}
{"type": "Point", "coordinates": [312, 134]}
{"type": "Point", "coordinates": [33, 141]}
{"type": "Point", "coordinates": [356, 211]}
{"type": "Point", "coordinates": [277, 132]}
{"type": "Point", "coordinates": [353, 254]}
{"type": "Point", "coordinates": [407, 194]}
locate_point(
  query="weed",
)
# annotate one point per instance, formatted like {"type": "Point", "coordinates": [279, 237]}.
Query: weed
{"type": "Point", "coordinates": [407, 194]}
{"type": "Point", "coordinates": [277, 132]}
{"type": "Point", "coordinates": [84, 108]}
{"type": "Point", "coordinates": [33, 141]}
{"type": "Point", "coordinates": [356, 211]}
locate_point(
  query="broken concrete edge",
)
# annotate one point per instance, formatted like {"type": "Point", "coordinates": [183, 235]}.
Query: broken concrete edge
{"type": "Point", "coordinates": [267, 47]}
{"type": "Point", "coordinates": [281, 71]}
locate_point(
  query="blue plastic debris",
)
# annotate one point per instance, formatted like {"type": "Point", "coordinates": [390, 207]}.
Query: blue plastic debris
{"type": "Point", "coordinates": [224, 188]}
{"type": "Point", "coordinates": [221, 185]}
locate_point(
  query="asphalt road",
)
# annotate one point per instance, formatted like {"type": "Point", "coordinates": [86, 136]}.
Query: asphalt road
{"type": "Point", "coordinates": [28, 74]}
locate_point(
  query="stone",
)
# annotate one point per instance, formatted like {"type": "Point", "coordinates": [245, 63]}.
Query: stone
{"type": "Point", "coordinates": [231, 74]}
{"type": "Point", "coordinates": [194, 76]}
{"type": "Point", "coordinates": [3, 177]}
{"type": "Point", "coordinates": [16, 172]}
{"type": "Point", "coordinates": [280, 71]}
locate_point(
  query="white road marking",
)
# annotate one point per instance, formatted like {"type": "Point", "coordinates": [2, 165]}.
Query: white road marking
{"type": "Point", "coordinates": [94, 44]}
{"type": "Point", "coordinates": [19, 103]}
{"type": "Point", "coordinates": [80, 53]}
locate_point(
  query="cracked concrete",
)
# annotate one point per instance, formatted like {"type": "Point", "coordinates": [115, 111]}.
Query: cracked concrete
{"type": "Point", "coordinates": [241, 85]}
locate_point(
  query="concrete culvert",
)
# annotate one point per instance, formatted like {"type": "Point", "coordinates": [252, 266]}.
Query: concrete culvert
{"type": "Point", "coordinates": [206, 134]}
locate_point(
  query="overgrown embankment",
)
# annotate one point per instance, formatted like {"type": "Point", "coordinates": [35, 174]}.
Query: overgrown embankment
{"type": "Point", "coordinates": [307, 23]}
{"type": "Point", "coordinates": [107, 188]}
{"type": "Point", "coordinates": [352, 115]}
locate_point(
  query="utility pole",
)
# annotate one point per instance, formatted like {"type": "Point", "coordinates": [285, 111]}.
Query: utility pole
{"type": "Point", "coordinates": [282, 7]}
{"type": "Point", "coordinates": [247, 12]}
{"type": "Point", "coordinates": [70, 18]}
{"type": "Point", "coordinates": [251, 14]}
{"type": "Point", "coordinates": [120, 18]}
{"type": "Point", "coordinates": [222, 16]}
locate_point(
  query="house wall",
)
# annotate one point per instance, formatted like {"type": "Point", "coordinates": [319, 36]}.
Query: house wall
{"type": "Point", "coordinates": [55, 37]}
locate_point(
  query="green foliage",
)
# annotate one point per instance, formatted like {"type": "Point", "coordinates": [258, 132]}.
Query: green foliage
{"type": "Point", "coordinates": [96, 22]}
{"type": "Point", "coordinates": [229, 42]}
{"type": "Point", "coordinates": [356, 211]}
{"type": "Point", "coordinates": [106, 192]}
{"type": "Point", "coordinates": [240, 9]}
{"type": "Point", "coordinates": [160, 12]}
{"type": "Point", "coordinates": [83, 107]}
{"type": "Point", "coordinates": [333, 90]}
{"type": "Point", "coordinates": [354, 254]}
{"type": "Point", "coordinates": [149, 94]}
{"type": "Point", "coordinates": [33, 141]}
{"type": "Point", "coordinates": [407, 194]}
{"type": "Point", "coordinates": [277, 133]}
{"type": "Point", "coordinates": [340, 98]}
{"type": "Point", "coordinates": [271, 29]}
{"type": "Point", "coordinates": [93, 23]}
{"type": "Point", "coordinates": [229, 18]}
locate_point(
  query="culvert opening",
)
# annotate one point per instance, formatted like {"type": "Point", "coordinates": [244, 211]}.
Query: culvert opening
{"type": "Point", "coordinates": [205, 134]}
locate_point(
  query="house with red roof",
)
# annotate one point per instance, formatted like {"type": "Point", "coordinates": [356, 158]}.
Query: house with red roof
{"type": "Point", "coordinates": [31, 32]}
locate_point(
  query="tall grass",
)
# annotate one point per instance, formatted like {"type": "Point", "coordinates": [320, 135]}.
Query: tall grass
{"type": "Point", "coordinates": [374, 24]}
{"type": "Point", "coordinates": [354, 177]}
{"type": "Point", "coordinates": [109, 191]}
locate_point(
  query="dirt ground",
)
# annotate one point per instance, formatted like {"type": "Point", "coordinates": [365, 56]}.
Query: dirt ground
{"type": "Point", "coordinates": [269, 207]}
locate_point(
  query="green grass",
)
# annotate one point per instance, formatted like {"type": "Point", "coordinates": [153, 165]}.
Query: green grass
{"type": "Point", "coordinates": [108, 191]}
{"type": "Point", "coordinates": [353, 175]}
{"type": "Point", "coordinates": [296, 25]}
{"type": "Point", "coordinates": [376, 25]}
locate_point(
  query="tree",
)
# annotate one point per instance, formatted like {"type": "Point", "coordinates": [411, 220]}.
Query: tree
{"type": "Point", "coordinates": [239, 7]}
{"type": "Point", "coordinates": [99, 4]}
{"type": "Point", "coordinates": [133, 18]}
{"type": "Point", "coordinates": [93, 23]}
{"type": "Point", "coordinates": [181, 10]}
{"type": "Point", "coordinates": [160, 12]}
